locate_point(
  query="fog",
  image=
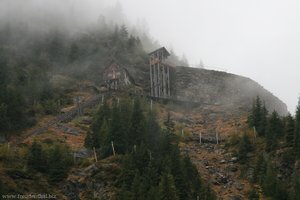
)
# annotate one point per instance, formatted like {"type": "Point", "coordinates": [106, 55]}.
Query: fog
{"type": "Point", "coordinates": [257, 39]}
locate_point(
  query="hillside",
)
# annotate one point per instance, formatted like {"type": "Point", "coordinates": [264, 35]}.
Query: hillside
{"type": "Point", "coordinates": [77, 121]}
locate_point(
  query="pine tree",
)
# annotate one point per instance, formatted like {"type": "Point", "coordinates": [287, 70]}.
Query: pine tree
{"type": "Point", "coordinates": [289, 130]}
{"type": "Point", "coordinates": [137, 125]}
{"type": "Point", "coordinates": [258, 117]}
{"type": "Point", "coordinates": [152, 133]}
{"type": "Point", "coordinates": [167, 189]}
{"type": "Point", "coordinates": [136, 187]}
{"type": "Point", "coordinates": [274, 131]}
{"type": "Point", "coordinates": [269, 181]}
{"type": "Point", "coordinates": [245, 147]}
{"type": "Point", "coordinates": [296, 186]}
{"type": "Point", "coordinates": [153, 194]}
{"type": "Point", "coordinates": [260, 169]}
{"type": "Point", "coordinates": [98, 133]}
{"type": "Point", "coordinates": [262, 126]}
{"type": "Point", "coordinates": [116, 134]}
{"type": "Point", "coordinates": [35, 158]}
{"type": "Point", "coordinates": [59, 163]}
{"type": "Point", "coordinates": [297, 130]}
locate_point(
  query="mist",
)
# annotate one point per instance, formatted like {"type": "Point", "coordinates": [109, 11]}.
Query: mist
{"type": "Point", "coordinates": [254, 39]}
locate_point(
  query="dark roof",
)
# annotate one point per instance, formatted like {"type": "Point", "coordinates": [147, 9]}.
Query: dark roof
{"type": "Point", "coordinates": [160, 49]}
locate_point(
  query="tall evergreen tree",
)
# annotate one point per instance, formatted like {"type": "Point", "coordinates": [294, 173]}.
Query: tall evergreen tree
{"type": "Point", "coordinates": [289, 129]}
{"type": "Point", "coordinates": [35, 158]}
{"type": "Point", "coordinates": [152, 133]}
{"type": "Point", "coordinates": [167, 189]}
{"type": "Point", "coordinates": [116, 134]}
{"type": "Point", "coordinates": [137, 125]}
{"type": "Point", "coordinates": [245, 147]}
{"type": "Point", "coordinates": [296, 186]}
{"type": "Point", "coordinates": [59, 163]}
{"type": "Point", "coordinates": [274, 131]}
{"type": "Point", "coordinates": [258, 117]}
{"type": "Point", "coordinates": [297, 130]}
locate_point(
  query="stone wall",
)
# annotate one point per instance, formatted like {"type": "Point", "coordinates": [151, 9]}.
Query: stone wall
{"type": "Point", "coordinates": [221, 88]}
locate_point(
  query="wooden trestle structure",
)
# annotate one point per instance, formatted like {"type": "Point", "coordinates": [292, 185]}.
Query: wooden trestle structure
{"type": "Point", "coordinates": [159, 74]}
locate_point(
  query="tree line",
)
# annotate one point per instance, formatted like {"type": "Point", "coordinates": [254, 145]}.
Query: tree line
{"type": "Point", "coordinates": [277, 132]}
{"type": "Point", "coordinates": [152, 166]}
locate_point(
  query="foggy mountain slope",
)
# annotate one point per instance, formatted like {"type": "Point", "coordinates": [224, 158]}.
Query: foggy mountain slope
{"type": "Point", "coordinates": [220, 88]}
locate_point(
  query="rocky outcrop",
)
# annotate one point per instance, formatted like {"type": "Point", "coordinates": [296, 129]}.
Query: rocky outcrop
{"type": "Point", "coordinates": [221, 88]}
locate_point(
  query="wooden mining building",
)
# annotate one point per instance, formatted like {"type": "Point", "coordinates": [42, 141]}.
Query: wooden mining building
{"type": "Point", "coordinates": [159, 74]}
{"type": "Point", "coordinates": [115, 76]}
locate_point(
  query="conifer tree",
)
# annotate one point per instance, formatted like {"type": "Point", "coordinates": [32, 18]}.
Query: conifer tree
{"type": "Point", "coordinates": [152, 133]}
{"type": "Point", "coordinates": [137, 125]}
{"type": "Point", "coordinates": [59, 163]}
{"type": "Point", "coordinates": [269, 181]}
{"type": "Point", "coordinates": [116, 134]}
{"type": "Point", "coordinates": [289, 129]}
{"type": "Point", "coordinates": [258, 117]}
{"type": "Point", "coordinates": [167, 189]}
{"type": "Point", "coordinates": [297, 130]}
{"type": "Point", "coordinates": [35, 158]}
{"type": "Point", "coordinates": [274, 131]}
{"type": "Point", "coordinates": [296, 186]}
{"type": "Point", "coordinates": [245, 147]}
{"type": "Point", "coordinates": [136, 188]}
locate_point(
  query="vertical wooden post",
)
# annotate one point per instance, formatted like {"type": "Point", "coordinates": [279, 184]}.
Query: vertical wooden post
{"type": "Point", "coordinates": [113, 148]}
{"type": "Point", "coordinates": [169, 91]}
{"type": "Point", "coordinates": [95, 154]}
{"type": "Point", "coordinates": [164, 81]}
{"type": "Point", "coordinates": [200, 138]}
{"type": "Point", "coordinates": [74, 156]}
{"type": "Point", "coordinates": [159, 80]}
{"type": "Point", "coordinates": [182, 132]}
{"type": "Point", "coordinates": [254, 131]}
{"type": "Point", "coordinates": [217, 137]}
{"type": "Point", "coordinates": [155, 80]}
{"type": "Point", "coordinates": [151, 81]}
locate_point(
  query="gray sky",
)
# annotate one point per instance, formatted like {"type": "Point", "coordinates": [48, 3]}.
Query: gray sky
{"type": "Point", "coordinates": [259, 39]}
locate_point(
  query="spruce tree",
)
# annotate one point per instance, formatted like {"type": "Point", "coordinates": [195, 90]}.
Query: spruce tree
{"type": "Point", "coordinates": [245, 147]}
{"type": "Point", "coordinates": [258, 117]}
{"type": "Point", "coordinates": [152, 133]}
{"type": "Point", "coordinates": [296, 186]}
{"type": "Point", "coordinates": [274, 131]}
{"type": "Point", "coordinates": [167, 189]}
{"type": "Point", "coordinates": [115, 134]}
{"type": "Point", "coordinates": [297, 130]}
{"type": "Point", "coordinates": [59, 163]}
{"type": "Point", "coordinates": [269, 181]}
{"type": "Point", "coordinates": [35, 158]}
{"type": "Point", "coordinates": [137, 125]}
{"type": "Point", "coordinates": [289, 129]}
